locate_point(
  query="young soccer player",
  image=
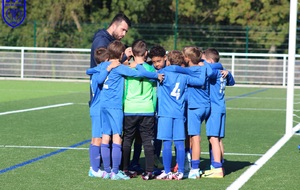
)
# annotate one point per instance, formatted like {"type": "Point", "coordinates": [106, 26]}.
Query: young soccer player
{"type": "Point", "coordinates": [111, 110]}
{"type": "Point", "coordinates": [215, 125]}
{"type": "Point", "coordinates": [158, 58]}
{"type": "Point", "coordinates": [101, 55]}
{"type": "Point", "coordinates": [139, 109]}
{"type": "Point", "coordinates": [171, 104]}
{"type": "Point", "coordinates": [198, 106]}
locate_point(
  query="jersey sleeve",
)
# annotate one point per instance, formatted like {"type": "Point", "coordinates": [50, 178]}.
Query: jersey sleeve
{"type": "Point", "coordinates": [215, 67]}
{"type": "Point", "coordinates": [184, 70]}
{"type": "Point", "coordinates": [197, 81]}
{"type": "Point", "coordinates": [230, 80]}
{"type": "Point", "coordinates": [101, 76]}
{"type": "Point", "coordinates": [144, 73]}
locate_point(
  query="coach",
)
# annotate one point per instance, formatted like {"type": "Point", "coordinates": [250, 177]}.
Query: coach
{"type": "Point", "coordinates": [115, 31]}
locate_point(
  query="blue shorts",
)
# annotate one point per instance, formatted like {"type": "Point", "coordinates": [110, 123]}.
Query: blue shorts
{"type": "Point", "coordinates": [111, 121]}
{"type": "Point", "coordinates": [96, 126]}
{"type": "Point", "coordinates": [215, 125]}
{"type": "Point", "coordinates": [195, 118]}
{"type": "Point", "coordinates": [170, 128]}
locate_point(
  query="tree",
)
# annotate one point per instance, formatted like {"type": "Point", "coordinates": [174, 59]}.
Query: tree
{"type": "Point", "coordinates": [270, 15]}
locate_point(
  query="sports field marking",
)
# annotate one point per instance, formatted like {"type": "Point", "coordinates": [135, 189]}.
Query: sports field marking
{"type": "Point", "coordinates": [257, 98]}
{"type": "Point", "coordinates": [37, 108]}
{"type": "Point", "coordinates": [255, 109]}
{"type": "Point", "coordinates": [42, 147]}
{"type": "Point", "coordinates": [42, 157]}
{"type": "Point", "coordinates": [247, 94]}
{"type": "Point", "coordinates": [76, 148]}
{"type": "Point", "coordinates": [239, 182]}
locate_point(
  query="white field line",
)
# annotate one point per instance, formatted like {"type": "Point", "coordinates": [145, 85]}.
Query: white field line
{"type": "Point", "coordinates": [239, 182]}
{"type": "Point", "coordinates": [78, 148]}
{"type": "Point", "coordinates": [34, 109]}
{"type": "Point", "coordinates": [255, 109]}
{"type": "Point", "coordinates": [42, 147]}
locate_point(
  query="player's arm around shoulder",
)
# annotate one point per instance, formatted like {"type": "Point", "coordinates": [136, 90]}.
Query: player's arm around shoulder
{"type": "Point", "coordinates": [230, 79]}
{"type": "Point", "coordinates": [149, 74]}
{"type": "Point", "coordinates": [196, 81]}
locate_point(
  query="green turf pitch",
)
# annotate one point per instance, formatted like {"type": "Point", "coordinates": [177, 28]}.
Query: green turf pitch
{"type": "Point", "coordinates": [255, 122]}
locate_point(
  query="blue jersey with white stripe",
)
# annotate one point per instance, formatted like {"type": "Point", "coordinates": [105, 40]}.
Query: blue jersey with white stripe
{"type": "Point", "coordinates": [96, 85]}
{"type": "Point", "coordinates": [171, 92]}
{"type": "Point", "coordinates": [217, 90]}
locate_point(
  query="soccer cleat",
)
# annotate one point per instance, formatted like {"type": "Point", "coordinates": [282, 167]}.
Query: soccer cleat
{"type": "Point", "coordinates": [157, 172]}
{"type": "Point", "coordinates": [136, 168]}
{"type": "Point", "coordinates": [106, 175]}
{"type": "Point", "coordinates": [157, 163]}
{"type": "Point", "coordinates": [119, 176]}
{"type": "Point", "coordinates": [194, 174]}
{"type": "Point", "coordinates": [178, 176]}
{"type": "Point", "coordinates": [147, 176]}
{"type": "Point", "coordinates": [92, 173]}
{"type": "Point", "coordinates": [165, 176]}
{"type": "Point", "coordinates": [211, 167]}
{"type": "Point", "coordinates": [130, 174]}
{"type": "Point", "coordinates": [213, 173]}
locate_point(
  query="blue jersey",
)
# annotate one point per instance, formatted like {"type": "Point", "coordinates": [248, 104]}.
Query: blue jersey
{"type": "Point", "coordinates": [95, 84]}
{"type": "Point", "coordinates": [171, 98]}
{"type": "Point", "coordinates": [113, 86]}
{"type": "Point", "coordinates": [198, 96]}
{"type": "Point", "coordinates": [217, 90]}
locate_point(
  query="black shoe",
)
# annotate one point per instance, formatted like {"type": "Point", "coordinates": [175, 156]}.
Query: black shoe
{"type": "Point", "coordinates": [137, 168]}
{"type": "Point", "coordinates": [147, 176]}
{"type": "Point", "coordinates": [130, 174]}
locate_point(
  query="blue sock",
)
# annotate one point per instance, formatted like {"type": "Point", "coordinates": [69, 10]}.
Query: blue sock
{"type": "Point", "coordinates": [216, 164]}
{"type": "Point", "coordinates": [95, 157]}
{"type": "Point", "coordinates": [136, 154]}
{"type": "Point", "coordinates": [180, 155]}
{"type": "Point", "coordinates": [116, 157]}
{"type": "Point", "coordinates": [105, 152]}
{"type": "Point", "coordinates": [195, 164]}
{"type": "Point", "coordinates": [167, 155]}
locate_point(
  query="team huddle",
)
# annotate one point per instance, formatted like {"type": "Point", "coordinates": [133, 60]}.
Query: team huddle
{"type": "Point", "coordinates": [154, 104]}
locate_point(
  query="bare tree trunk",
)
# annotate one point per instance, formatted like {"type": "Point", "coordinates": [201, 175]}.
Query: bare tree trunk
{"type": "Point", "coordinates": [75, 18]}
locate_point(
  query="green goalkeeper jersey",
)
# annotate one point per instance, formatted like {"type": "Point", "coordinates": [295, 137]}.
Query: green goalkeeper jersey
{"type": "Point", "coordinates": [140, 95]}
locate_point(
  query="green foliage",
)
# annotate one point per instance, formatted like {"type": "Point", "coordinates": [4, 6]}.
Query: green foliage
{"type": "Point", "coordinates": [256, 14]}
{"type": "Point", "coordinates": [72, 24]}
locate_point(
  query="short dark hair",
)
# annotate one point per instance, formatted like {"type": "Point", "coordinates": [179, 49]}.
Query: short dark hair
{"type": "Point", "coordinates": [139, 47]}
{"type": "Point", "coordinates": [115, 49]}
{"type": "Point", "coordinates": [101, 55]}
{"type": "Point", "coordinates": [157, 51]}
{"type": "Point", "coordinates": [119, 18]}
{"type": "Point", "coordinates": [213, 54]}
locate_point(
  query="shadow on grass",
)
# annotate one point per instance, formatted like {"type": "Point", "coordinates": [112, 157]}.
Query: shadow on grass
{"type": "Point", "coordinates": [229, 165]}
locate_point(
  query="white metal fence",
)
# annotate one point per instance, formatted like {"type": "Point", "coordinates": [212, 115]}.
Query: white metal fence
{"type": "Point", "coordinates": [67, 63]}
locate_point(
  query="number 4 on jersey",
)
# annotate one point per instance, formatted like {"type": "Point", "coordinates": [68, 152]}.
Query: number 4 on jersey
{"type": "Point", "coordinates": [176, 91]}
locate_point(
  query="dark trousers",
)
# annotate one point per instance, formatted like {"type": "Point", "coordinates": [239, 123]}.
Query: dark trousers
{"type": "Point", "coordinates": [144, 125]}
